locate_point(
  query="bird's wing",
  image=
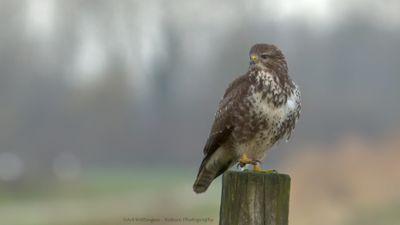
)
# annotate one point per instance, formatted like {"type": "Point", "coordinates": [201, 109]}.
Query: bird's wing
{"type": "Point", "coordinates": [223, 126]}
{"type": "Point", "coordinates": [220, 133]}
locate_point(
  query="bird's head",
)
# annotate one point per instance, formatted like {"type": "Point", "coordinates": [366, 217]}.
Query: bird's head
{"type": "Point", "coordinates": [266, 56]}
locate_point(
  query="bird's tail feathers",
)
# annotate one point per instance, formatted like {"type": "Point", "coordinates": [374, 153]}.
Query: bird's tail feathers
{"type": "Point", "coordinates": [211, 168]}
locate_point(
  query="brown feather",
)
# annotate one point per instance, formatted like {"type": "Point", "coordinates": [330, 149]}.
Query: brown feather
{"type": "Point", "coordinates": [220, 134]}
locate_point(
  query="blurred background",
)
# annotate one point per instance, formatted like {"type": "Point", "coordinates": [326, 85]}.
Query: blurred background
{"type": "Point", "coordinates": [105, 107]}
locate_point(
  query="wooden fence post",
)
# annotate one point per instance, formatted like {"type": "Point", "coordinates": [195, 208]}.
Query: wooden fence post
{"type": "Point", "coordinates": [254, 198]}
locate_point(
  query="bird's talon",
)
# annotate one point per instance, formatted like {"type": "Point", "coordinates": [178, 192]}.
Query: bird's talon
{"type": "Point", "coordinates": [257, 168]}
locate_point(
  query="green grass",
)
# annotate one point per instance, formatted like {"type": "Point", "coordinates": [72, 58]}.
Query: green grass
{"type": "Point", "coordinates": [93, 183]}
{"type": "Point", "coordinates": [106, 196]}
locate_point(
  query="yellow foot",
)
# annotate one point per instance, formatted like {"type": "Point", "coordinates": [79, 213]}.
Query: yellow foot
{"type": "Point", "coordinates": [257, 168]}
{"type": "Point", "coordinates": [245, 160]}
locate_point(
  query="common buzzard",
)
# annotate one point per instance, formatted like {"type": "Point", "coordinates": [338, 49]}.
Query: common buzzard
{"type": "Point", "coordinates": [258, 109]}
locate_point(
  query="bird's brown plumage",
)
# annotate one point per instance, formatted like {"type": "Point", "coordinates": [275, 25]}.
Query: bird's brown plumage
{"type": "Point", "coordinates": [257, 109]}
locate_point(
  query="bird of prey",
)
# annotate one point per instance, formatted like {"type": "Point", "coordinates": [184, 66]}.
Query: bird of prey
{"type": "Point", "coordinates": [258, 109]}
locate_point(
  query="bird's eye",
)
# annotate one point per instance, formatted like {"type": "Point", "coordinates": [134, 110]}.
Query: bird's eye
{"type": "Point", "coordinates": [264, 56]}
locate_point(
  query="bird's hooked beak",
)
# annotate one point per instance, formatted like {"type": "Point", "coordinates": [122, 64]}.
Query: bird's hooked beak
{"type": "Point", "coordinates": [253, 59]}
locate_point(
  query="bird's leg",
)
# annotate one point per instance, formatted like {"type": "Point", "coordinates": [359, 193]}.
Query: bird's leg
{"type": "Point", "coordinates": [257, 168]}
{"type": "Point", "coordinates": [244, 159]}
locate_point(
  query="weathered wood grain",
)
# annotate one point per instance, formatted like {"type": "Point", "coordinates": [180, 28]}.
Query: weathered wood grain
{"type": "Point", "coordinates": [254, 198]}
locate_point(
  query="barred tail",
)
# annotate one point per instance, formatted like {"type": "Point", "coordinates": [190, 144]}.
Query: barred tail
{"type": "Point", "coordinates": [210, 168]}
